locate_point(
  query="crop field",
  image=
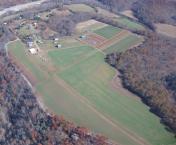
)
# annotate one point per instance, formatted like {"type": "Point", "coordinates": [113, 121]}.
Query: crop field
{"type": "Point", "coordinates": [124, 44]}
{"type": "Point", "coordinates": [76, 82]}
{"type": "Point", "coordinates": [108, 31]}
{"type": "Point", "coordinates": [80, 8]}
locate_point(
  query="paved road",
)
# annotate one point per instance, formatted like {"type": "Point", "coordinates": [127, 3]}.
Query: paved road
{"type": "Point", "coordinates": [21, 7]}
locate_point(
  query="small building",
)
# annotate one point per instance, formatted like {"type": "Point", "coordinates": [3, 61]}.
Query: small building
{"type": "Point", "coordinates": [56, 39]}
{"type": "Point", "coordinates": [82, 36]}
{"type": "Point", "coordinates": [30, 44]}
{"type": "Point", "coordinates": [33, 51]}
{"type": "Point", "coordinates": [59, 46]}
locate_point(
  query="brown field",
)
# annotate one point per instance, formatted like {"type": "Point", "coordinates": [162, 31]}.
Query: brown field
{"type": "Point", "coordinates": [165, 29]}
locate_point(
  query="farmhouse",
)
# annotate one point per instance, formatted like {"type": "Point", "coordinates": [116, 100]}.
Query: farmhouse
{"type": "Point", "coordinates": [33, 51]}
{"type": "Point", "coordinates": [59, 46]}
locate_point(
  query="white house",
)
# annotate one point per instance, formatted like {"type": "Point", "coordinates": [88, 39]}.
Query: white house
{"type": "Point", "coordinates": [59, 46]}
{"type": "Point", "coordinates": [33, 51]}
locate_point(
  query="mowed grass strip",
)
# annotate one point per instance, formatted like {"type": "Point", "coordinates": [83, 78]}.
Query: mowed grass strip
{"type": "Point", "coordinates": [80, 8]}
{"type": "Point", "coordinates": [108, 31]}
{"type": "Point", "coordinates": [124, 44]}
{"type": "Point", "coordinates": [91, 77]}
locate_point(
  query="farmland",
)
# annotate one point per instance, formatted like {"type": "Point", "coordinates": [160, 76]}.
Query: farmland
{"type": "Point", "coordinates": [80, 8]}
{"type": "Point", "coordinates": [76, 82]}
{"type": "Point", "coordinates": [107, 32]}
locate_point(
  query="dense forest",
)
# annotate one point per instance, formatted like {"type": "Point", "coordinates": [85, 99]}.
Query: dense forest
{"type": "Point", "coordinates": [149, 71]}
{"type": "Point", "coordinates": [155, 11]}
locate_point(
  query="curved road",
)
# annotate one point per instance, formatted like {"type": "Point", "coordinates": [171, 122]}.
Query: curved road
{"type": "Point", "coordinates": [21, 7]}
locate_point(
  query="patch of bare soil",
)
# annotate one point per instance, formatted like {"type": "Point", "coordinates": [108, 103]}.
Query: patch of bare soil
{"type": "Point", "coordinates": [165, 29]}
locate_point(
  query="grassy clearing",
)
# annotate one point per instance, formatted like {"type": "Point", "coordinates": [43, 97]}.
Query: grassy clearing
{"type": "Point", "coordinates": [87, 73]}
{"type": "Point", "coordinates": [80, 8]}
{"type": "Point", "coordinates": [124, 44]}
{"type": "Point", "coordinates": [129, 24]}
{"type": "Point", "coordinates": [108, 31]}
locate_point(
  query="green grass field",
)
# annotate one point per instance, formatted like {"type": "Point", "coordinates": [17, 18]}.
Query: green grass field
{"type": "Point", "coordinates": [80, 8]}
{"type": "Point", "coordinates": [129, 24]}
{"type": "Point", "coordinates": [108, 31]}
{"type": "Point", "coordinates": [79, 89]}
{"type": "Point", "coordinates": [124, 44]}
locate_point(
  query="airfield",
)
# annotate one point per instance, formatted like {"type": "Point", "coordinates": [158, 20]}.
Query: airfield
{"type": "Point", "coordinates": [74, 80]}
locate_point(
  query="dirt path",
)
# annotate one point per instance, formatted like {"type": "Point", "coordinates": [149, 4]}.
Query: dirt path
{"type": "Point", "coordinates": [131, 135]}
